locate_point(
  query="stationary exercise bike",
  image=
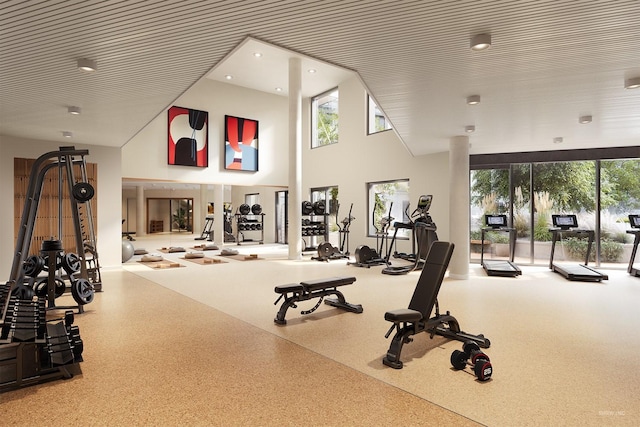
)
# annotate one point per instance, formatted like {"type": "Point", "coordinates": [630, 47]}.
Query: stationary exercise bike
{"type": "Point", "coordinates": [326, 251]}
{"type": "Point", "coordinates": [365, 256]}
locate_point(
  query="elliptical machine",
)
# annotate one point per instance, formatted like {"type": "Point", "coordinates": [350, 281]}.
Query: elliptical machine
{"type": "Point", "coordinates": [423, 234]}
{"type": "Point", "coordinates": [326, 251]}
{"type": "Point", "coordinates": [365, 256]}
{"type": "Point", "coordinates": [228, 228]}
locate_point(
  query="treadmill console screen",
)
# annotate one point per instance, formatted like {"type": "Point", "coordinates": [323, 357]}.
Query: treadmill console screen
{"type": "Point", "coordinates": [634, 220]}
{"type": "Point", "coordinates": [495, 221]}
{"type": "Point", "coordinates": [564, 222]}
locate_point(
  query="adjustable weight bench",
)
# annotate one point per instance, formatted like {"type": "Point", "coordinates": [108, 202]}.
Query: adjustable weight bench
{"type": "Point", "coordinates": [415, 319]}
{"type": "Point", "coordinates": [303, 291]}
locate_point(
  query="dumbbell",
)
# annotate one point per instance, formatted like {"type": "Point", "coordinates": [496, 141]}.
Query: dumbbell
{"type": "Point", "coordinates": [472, 355]}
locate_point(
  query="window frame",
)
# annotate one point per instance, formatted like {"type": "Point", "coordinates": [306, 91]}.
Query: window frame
{"type": "Point", "coordinates": [314, 118]}
{"type": "Point", "coordinates": [370, 114]}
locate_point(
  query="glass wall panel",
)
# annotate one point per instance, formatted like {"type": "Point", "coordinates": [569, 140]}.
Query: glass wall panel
{"type": "Point", "coordinates": [563, 188]}
{"type": "Point", "coordinates": [620, 189]}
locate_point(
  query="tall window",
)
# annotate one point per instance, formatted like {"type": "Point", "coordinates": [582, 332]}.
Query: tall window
{"type": "Point", "coordinates": [376, 120]}
{"type": "Point", "coordinates": [388, 203]}
{"type": "Point", "coordinates": [324, 119]}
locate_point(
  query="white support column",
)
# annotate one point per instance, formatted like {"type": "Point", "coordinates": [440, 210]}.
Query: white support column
{"type": "Point", "coordinates": [218, 214]}
{"type": "Point", "coordinates": [199, 217]}
{"type": "Point", "coordinates": [141, 221]}
{"type": "Point", "coordinates": [459, 206]}
{"type": "Point", "coordinates": [295, 159]}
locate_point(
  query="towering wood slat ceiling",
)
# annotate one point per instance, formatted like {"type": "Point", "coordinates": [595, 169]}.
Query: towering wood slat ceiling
{"type": "Point", "coordinates": [551, 61]}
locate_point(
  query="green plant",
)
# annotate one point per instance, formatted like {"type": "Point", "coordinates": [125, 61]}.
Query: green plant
{"type": "Point", "coordinates": [180, 218]}
{"type": "Point", "coordinates": [610, 251]}
{"type": "Point", "coordinates": [498, 237]}
{"type": "Point", "coordinates": [541, 229]}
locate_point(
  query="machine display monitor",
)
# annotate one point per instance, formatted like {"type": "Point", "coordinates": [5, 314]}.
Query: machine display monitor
{"type": "Point", "coordinates": [424, 202]}
{"type": "Point", "coordinates": [634, 220]}
{"type": "Point", "coordinates": [495, 221]}
{"type": "Point", "coordinates": [564, 221]}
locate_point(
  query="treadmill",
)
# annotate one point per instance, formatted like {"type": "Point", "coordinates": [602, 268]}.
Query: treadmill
{"type": "Point", "coordinates": [568, 224]}
{"type": "Point", "coordinates": [504, 268]}
{"type": "Point", "coordinates": [634, 220]}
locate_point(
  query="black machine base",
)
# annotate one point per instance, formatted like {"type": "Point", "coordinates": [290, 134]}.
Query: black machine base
{"type": "Point", "coordinates": [580, 273]}
{"type": "Point", "coordinates": [501, 268]}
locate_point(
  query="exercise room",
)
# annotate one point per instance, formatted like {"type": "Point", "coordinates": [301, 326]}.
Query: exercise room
{"type": "Point", "coordinates": [330, 214]}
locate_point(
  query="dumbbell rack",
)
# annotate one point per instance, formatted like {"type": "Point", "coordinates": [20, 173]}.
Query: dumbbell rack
{"type": "Point", "coordinates": [250, 223]}
{"type": "Point", "coordinates": [33, 350]}
{"type": "Point", "coordinates": [315, 226]}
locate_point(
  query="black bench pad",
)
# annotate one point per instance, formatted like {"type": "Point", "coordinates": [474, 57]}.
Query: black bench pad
{"type": "Point", "coordinates": [331, 282]}
{"type": "Point", "coordinates": [291, 287]}
{"type": "Point", "coordinates": [403, 315]}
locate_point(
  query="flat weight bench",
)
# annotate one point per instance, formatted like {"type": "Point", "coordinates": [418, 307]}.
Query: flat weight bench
{"type": "Point", "coordinates": [320, 288]}
{"type": "Point", "coordinates": [415, 319]}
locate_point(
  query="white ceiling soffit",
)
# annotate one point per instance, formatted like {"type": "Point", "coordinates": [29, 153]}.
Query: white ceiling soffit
{"type": "Point", "coordinates": [550, 63]}
{"type": "Point", "coordinates": [258, 65]}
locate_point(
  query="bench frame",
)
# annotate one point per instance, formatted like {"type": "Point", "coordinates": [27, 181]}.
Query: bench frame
{"type": "Point", "coordinates": [320, 288]}
{"type": "Point", "coordinates": [415, 319]}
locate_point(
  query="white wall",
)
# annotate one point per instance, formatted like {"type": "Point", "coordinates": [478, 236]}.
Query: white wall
{"type": "Point", "coordinates": [359, 158]}
{"type": "Point", "coordinates": [218, 99]}
{"type": "Point", "coordinates": [108, 228]}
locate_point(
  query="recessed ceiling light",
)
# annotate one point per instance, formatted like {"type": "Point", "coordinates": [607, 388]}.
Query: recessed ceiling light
{"type": "Point", "coordinates": [67, 134]}
{"type": "Point", "coordinates": [470, 129]}
{"type": "Point", "coordinates": [585, 119]}
{"type": "Point", "coordinates": [278, 89]}
{"type": "Point", "coordinates": [257, 54]}
{"type": "Point", "coordinates": [228, 77]}
{"type": "Point", "coordinates": [312, 70]}
{"type": "Point", "coordinates": [473, 99]}
{"type": "Point", "coordinates": [73, 110]}
{"type": "Point", "coordinates": [87, 65]}
{"type": "Point", "coordinates": [632, 83]}
{"type": "Point", "coordinates": [480, 42]}
{"type": "Point", "coordinates": [557, 140]}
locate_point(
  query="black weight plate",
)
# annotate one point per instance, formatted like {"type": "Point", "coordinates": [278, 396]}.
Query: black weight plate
{"type": "Point", "coordinates": [458, 359]}
{"type": "Point", "coordinates": [83, 192]}
{"type": "Point", "coordinates": [82, 291]}
{"type": "Point", "coordinates": [325, 249]}
{"type": "Point", "coordinates": [51, 245]}
{"type": "Point", "coordinates": [469, 346]}
{"type": "Point", "coordinates": [33, 266]}
{"type": "Point", "coordinates": [256, 209]}
{"type": "Point", "coordinates": [307, 208]}
{"type": "Point", "coordinates": [319, 207]}
{"type": "Point", "coordinates": [23, 292]}
{"type": "Point", "coordinates": [41, 287]}
{"type": "Point", "coordinates": [71, 263]}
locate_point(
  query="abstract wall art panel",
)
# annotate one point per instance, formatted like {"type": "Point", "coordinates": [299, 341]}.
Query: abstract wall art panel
{"type": "Point", "coordinates": [241, 144]}
{"type": "Point", "coordinates": [188, 137]}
